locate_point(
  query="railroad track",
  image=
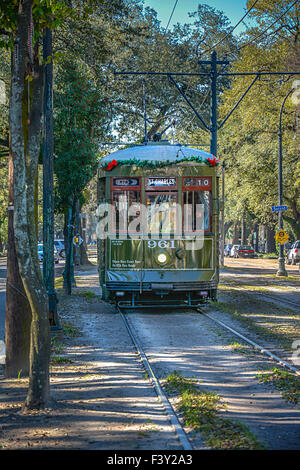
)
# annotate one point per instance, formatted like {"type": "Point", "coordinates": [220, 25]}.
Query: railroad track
{"type": "Point", "coordinates": [264, 294]}
{"type": "Point", "coordinates": [186, 445]}
{"type": "Point", "coordinates": [260, 348]}
{"type": "Point", "coordinates": [178, 428]}
{"type": "Point", "coordinates": [286, 301]}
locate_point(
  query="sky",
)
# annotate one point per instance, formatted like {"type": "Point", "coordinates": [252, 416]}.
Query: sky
{"type": "Point", "coordinates": [233, 9]}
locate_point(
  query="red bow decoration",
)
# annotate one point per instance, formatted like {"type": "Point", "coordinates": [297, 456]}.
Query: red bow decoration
{"type": "Point", "coordinates": [212, 161]}
{"type": "Point", "coordinates": [110, 166]}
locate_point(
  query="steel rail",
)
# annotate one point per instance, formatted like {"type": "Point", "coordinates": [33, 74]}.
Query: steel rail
{"type": "Point", "coordinates": [159, 391]}
{"type": "Point", "coordinates": [255, 345]}
{"type": "Point", "coordinates": [279, 300]}
{"type": "Point", "coordinates": [264, 294]}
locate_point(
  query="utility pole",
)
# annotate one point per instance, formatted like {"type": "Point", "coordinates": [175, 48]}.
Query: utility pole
{"type": "Point", "coordinates": [213, 74]}
{"type": "Point", "coordinates": [214, 106]}
{"type": "Point", "coordinates": [76, 248]}
{"type": "Point", "coordinates": [48, 193]}
{"type": "Point", "coordinates": [281, 265]}
{"type": "Point", "coordinates": [222, 219]}
{"type": "Point", "coordinates": [145, 112]}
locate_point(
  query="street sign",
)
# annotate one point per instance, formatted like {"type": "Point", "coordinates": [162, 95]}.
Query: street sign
{"type": "Point", "coordinates": [281, 236]}
{"type": "Point", "coordinates": [77, 240]}
{"type": "Point", "coordinates": [279, 208]}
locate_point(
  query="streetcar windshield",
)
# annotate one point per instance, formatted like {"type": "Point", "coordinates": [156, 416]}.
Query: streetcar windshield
{"type": "Point", "coordinates": [196, 211]}
{"type": "Point", "coordinates": [126, 206]}
{"type": "Point", "coordinates": [161, 212]}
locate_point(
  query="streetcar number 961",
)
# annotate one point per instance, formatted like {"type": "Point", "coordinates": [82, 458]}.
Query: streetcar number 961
{"type": "Point", "coordinates": [161, 243]}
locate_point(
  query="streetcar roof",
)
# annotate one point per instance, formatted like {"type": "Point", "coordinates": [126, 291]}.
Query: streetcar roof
{"type": "Point", "coordinates": [156, 152]}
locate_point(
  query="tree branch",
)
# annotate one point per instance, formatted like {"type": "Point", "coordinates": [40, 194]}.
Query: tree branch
{"type": "Point", "coordinates": [4, 143]}
{"type": "Point", "coordinates": [4, 32]}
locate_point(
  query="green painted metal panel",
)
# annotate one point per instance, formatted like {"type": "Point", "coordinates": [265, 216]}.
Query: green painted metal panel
{"type": "Point", "coordinates": [125, 255]}
{"type": "Point", "coordinates": [161, 254]}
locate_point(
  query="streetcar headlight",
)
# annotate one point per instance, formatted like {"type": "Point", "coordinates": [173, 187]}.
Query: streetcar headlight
{"type": "Point", "coordinates": [162, 258]}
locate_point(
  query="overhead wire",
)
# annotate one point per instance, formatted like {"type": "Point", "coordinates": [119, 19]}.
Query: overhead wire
{"type": "Point", "coordinates": [270, 26]}
{"type": "Point", "coordinates": [232, 29]}
{"type": "Point", "coordinates": [171, 16]}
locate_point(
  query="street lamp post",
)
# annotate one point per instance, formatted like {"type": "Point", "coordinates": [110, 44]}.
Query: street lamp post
{"type": "Point", "coordinates": [281, 265]}
{"type": "Point", "coordinates": [222, 244]}
{"type": "Point", "coordinates": [48, 197]}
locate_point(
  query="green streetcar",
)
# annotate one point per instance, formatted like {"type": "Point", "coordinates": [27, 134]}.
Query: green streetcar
{"type": "Point", "coordinates": [158, 226]}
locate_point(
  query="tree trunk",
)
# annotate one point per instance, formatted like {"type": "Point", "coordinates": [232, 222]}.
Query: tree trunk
{"type": "Point", "coordinates": [270, 240]}
{"type": "Point", "coordinates": [255, 237]}
{"type": "Point", "coordinates": [25, 145]}
{"type": "Point", "coordinates": [227, 226]}
{"type": "Point", "coordinates": [236, 233]}
{"type": "Point", "coordinates": [18, 311]}
{"type": "Point", "coordinates": [77, 234]}
{"type": "Point", "coordinates": [83, 247]}
{"type": "Point", "coordinates": [243, 232]}
{"type": "Point", "coordinates": [68, 233]}
{"type": "Point", "coordinates": [84, 260]}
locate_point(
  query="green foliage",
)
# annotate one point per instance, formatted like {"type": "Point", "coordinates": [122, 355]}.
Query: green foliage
{"type": "Point", "coordinates": [79, 112]}
{"type": "Point", "coordinates": [286, 382]}
{"type": "Point", "coordinates": [74, 167]}
{"type": "Point", "coordinates": [160, 163]}
{"type": "Point", "coordinates": [248, 142]}
{"type": "Point", "coordinates": [45, 13]}
{"type": "Point", "coordinates": [201, 412]}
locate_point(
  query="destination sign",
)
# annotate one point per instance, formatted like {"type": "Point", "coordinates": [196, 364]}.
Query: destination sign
{"type": "Point", "coordinates": [197, 183]}
{"type": "Point", "coordinates": [161, 182]}
{"type": "Point", "coordinates": [120, 182]}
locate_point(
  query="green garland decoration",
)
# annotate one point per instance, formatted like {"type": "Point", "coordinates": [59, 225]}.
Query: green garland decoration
{"type": "Point", "coordinates": [108, 166]}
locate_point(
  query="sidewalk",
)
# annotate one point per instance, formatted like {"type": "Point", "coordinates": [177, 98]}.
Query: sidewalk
{"type": "Point", "coordinates": [101, 399]}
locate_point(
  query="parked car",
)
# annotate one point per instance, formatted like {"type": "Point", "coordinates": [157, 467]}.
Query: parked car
{"type": "Point", "coordinates": [227, 250]}
{"type": "Point", "coordinates": [41, 252]}
{"type": "Point", "coordinates": [56, 255]}
{"type": "Point", "coordinates": [233, 250]}
{"type": "Point", "coordinates": [60, 246]}
{"type": "Point", "coordinates": [293, 254]}
{"type": "Point", "coordinates": [244, 251]}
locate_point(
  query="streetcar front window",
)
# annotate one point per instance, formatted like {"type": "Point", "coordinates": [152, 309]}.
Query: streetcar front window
{"type": "Point", "coordinates": [196, 211]}
{"type": "Point", "coordinates": [126, 208]}
{"type": "Point", "coordinates": [161, 212]}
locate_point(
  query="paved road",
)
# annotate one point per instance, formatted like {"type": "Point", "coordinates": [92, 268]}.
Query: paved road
{"type": "Point", "coordinates": [260, 275]}
{"type": "Point", "coordinates": [2, 295]}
